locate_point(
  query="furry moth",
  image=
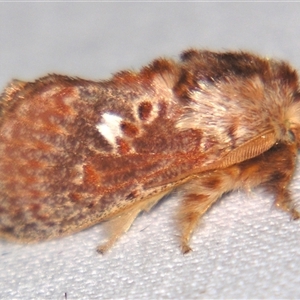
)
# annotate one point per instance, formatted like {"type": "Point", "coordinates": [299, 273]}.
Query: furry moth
{"type": "Point", "coordinates": [76, 152]}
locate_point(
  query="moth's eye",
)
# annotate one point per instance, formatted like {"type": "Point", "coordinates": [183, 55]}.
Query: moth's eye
{"type": "Point", "coordinates": [291, 135]}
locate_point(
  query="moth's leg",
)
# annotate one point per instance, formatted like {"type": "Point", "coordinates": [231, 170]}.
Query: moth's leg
{"type": "Point", "coordinates": [274, 170]}
{"type": "Point", "coordinates": [280, 178]}
{"type": "Point", "coordinates": [117, 226]}
{"type": "Point", "coordinates": [198, 196]}
{"type": "Point", "coordinates": [120, 224]}
{"type": "Point", "coordinates": [285, 202]}
{"type": "Point", "coordinates": [191, 210]}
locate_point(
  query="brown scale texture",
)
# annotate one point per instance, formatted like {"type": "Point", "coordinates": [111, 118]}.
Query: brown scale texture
{"type": "Point", "coordinates": [76, 152]}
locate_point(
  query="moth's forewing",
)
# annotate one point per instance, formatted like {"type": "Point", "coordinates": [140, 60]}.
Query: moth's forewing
{"type": "Point", "coordinates": [76, 152]}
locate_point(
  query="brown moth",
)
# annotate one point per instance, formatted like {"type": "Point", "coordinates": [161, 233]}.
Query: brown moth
{"type": "Point", "coordinates": [76, 152]}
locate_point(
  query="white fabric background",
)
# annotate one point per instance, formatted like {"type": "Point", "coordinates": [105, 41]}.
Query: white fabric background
{"type": "Point", "coordinates": [244, 248]}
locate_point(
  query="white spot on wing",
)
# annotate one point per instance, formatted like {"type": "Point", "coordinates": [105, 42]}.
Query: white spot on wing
{"type": "Point", "coordinates": [109, 127]}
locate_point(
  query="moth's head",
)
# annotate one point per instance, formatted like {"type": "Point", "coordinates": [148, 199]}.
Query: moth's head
{"type": "Point", "coordinates": [286, 87]}
{"type": "Point", "coordinates": [293, 120]}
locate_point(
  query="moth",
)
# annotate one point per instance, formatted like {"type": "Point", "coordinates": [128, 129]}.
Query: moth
{"type": "Point", "coordinates": [76, 152]}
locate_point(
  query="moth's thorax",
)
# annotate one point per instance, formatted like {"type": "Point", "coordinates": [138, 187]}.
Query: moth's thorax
{"type": "Point", "coordinates": [231, 97]}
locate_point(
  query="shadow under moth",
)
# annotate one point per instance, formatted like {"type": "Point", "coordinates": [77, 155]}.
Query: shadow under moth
{"type": "Point", "coordinates": [77, 152]}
